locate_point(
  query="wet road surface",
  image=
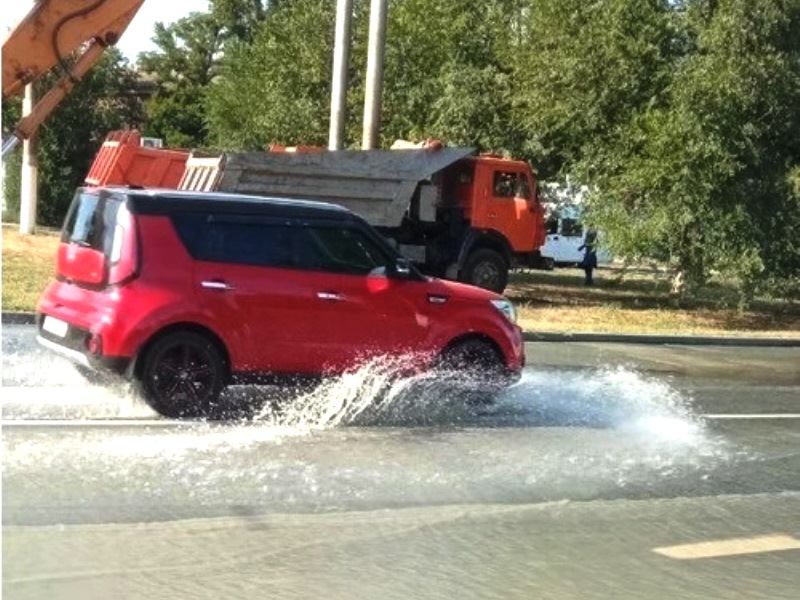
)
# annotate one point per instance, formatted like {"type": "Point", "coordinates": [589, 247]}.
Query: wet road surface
{"type": "Point", "coordinates": [609, 471]}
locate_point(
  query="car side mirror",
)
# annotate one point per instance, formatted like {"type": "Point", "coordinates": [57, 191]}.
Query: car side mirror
{"type": "Point", "coordinates": [402, 268]}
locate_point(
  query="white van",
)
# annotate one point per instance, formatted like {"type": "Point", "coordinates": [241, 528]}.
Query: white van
{"type": "Point", "coordinates": [565, 235]}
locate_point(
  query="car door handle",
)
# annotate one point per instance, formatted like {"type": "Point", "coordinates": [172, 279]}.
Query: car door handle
{"type": "Point", "coordinates": [216, 285]}
{"type": "Point", "coordinates": [330, 296]}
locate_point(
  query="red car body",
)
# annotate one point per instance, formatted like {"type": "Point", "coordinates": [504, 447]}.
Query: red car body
{"type": "Point", "coordinates": [275, 287]}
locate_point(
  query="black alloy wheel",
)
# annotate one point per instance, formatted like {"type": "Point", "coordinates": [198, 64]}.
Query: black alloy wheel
{"type": "Point", "coordinates": [182, 376]}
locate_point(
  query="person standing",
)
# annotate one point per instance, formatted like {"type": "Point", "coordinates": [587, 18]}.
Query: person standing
{"type": "Point", "coordinates": [589, 261]}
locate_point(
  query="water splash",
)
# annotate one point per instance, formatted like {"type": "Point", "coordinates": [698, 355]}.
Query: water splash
{"type": "Point", "coordinates": [350, 442]}
{"type": "Point", "coordinates": [382, 391]}
{"type": "Point", "coordinates": [605, 397]}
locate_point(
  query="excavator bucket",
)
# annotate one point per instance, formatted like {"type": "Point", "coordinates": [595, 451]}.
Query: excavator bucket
{"type": "Point", "coordinates": [54, 29]}
{"type": "Point", "coordinates": [50, 34]}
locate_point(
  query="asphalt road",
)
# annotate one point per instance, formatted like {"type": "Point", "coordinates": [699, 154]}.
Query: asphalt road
{"type": "Point", "coordinates": [611, 471]}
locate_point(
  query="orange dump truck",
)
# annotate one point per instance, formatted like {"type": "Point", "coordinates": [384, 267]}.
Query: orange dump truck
{"type": "Point", "coordinates": [455, 213]}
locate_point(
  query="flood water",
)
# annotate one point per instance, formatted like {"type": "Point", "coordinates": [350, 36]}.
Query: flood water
{"type": "Point", "coordinates": [555, 436]}
{"type": "Point", "coordinates": [328, 492]}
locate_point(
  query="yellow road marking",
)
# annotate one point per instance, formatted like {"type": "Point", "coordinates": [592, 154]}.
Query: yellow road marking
{"type": "Point", "coordinates": [730, 547]}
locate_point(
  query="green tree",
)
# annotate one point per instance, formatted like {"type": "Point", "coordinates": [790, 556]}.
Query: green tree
{"type": "Point", "coordinates": [107, 98]}
{"type": "Point", "coordinates": [584, 70]}
{"type": "Point", "coordinates": [182, 69]}
{"type": "Point", "coordinates": [12, 111]}
{"type": "Point", "coordinates": [446, 75]}
{"type": "Point", "coordinates": [706, 180]}
{"type": "Point", "coordinates": [241, 19]}
{"type": "Point", "coordinates": [278, 89]}
{"type": "Point", "coordinates": [448, 72]}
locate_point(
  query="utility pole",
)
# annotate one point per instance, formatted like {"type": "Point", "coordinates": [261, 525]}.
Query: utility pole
{"type": "Point", "coordinates": [374, 88]}
{"type": "Point", "coordinates": [29, 174]}
{"type": "Point", "coordinates": [341, 58]}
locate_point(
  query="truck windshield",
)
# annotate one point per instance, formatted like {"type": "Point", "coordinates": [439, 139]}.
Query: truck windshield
{"type": "Point", "coordinates": [508, 184]}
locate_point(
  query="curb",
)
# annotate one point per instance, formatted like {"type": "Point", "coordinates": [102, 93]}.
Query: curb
{"type": "Point", "coordinates": [17, 318]}
{"type": "Point", "coordinates": [662, 340]}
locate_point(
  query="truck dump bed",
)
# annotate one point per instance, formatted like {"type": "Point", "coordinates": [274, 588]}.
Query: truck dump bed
{"type": "Point", "coordinates": [377, 184]}
{"type": "Point", "coordinates": [122, 160]}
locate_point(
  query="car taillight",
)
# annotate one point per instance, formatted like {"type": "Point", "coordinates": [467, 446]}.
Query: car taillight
{"type": "Point", "coordinates": [122, 259]}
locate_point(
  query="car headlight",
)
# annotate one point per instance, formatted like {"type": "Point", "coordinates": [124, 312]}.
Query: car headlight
{"type": "Point", "coordinates": [507, 308]}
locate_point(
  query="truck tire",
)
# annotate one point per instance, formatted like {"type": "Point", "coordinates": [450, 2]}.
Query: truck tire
{"type": "Point", "coordinates": [486, 268]}
{"type": "Point", "coordinates": [182, 376]}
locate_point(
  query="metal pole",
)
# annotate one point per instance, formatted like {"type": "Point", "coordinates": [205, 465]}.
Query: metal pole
{"type": "Point", "coordinates": [341, 57]}
{"type": "Point", "coordinates": [372, 99]}
{"type": "Point", "coordinates": [29, 174]}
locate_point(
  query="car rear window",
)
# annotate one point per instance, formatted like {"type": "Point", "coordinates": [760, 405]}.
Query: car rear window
{"type": "Point", "coordinates": [91, 222]}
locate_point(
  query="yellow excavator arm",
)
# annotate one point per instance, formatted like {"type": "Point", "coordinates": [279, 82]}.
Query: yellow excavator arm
{"type": "Point", "coordinates": [69, 35]}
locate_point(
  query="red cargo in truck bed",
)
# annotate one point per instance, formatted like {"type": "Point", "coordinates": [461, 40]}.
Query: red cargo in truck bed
{"type": "Point", "coordinates": [122, 160]}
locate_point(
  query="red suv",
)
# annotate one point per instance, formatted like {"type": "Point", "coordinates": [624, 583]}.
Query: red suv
{"type": "Point", "coordinates": [186, 292]}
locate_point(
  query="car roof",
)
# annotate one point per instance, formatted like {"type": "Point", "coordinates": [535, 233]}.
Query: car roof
{"type": "Point", "coordinates": [165, 201]}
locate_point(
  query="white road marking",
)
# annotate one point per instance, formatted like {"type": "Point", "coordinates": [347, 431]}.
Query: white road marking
{"type": "Point", "coordinates": [155, 422]}
{"type": "Point", "coordinates": [752, 416]}
{"type": "Point", "coordinates": [730, 547]}
{"type": "Point", "coordinates": [110, 422]}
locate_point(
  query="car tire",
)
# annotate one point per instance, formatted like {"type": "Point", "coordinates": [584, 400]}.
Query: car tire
{"type": "Point", "coordinates": [182, 376]}
{"type": "Point", "coordinates": [476, 369]}
{"type": "Point", "coordinates": [486, 268]}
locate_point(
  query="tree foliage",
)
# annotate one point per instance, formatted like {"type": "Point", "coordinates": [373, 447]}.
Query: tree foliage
{"type": "Point", "coordinates": [448, 73]}
{"type": "Point", "coordinates": [182, 69]}
{"type": "Point", "coordinates": [186, 62]}
{"type": "Point", "coordinates": [241, 19]}
{"type": "Point", "coordinates": [705, 180]}
{"type": "Point", "coordinates": [681, 115]}
{"type": "Point", "coordinates": [585, 70]}
{"type": "Point", "coordinates": [277, 90]}
{"type": "Point", "coordinates": [106, 99]}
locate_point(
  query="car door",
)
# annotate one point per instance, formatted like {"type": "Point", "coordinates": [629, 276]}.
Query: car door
{"type": "Point", "coordinates": [508, 209]}
{"type": "Point", "coordinates": [273, 313]}
{"type": "Point", "coordinates": [371, 314]}
{"type": "Point", "coordinates": [563, 245]}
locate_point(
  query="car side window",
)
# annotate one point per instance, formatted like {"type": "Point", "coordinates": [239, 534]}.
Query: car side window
{"type": "Point", "coordinates": [82, 222]}
{"type": "Point", "coordinates": [571, 227]}
{"type": "Point", "coordinates": [237, 241]}
{"type": "Point", "coordinates": [250, 244]}
{"type": "Point", "coordinates": [341, 250]}
{"type": "Point", "coordinates": [284, 244]}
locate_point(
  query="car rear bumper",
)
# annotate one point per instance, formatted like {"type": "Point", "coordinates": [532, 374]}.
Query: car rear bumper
{"type": "Point", "coordinates": [74, 345]}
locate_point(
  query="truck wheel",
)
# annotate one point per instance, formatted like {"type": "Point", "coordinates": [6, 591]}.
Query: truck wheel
{"type": "Point", "coordinates": [182, 375]}
{"type": "Point", "coordinates": [487, 269]}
